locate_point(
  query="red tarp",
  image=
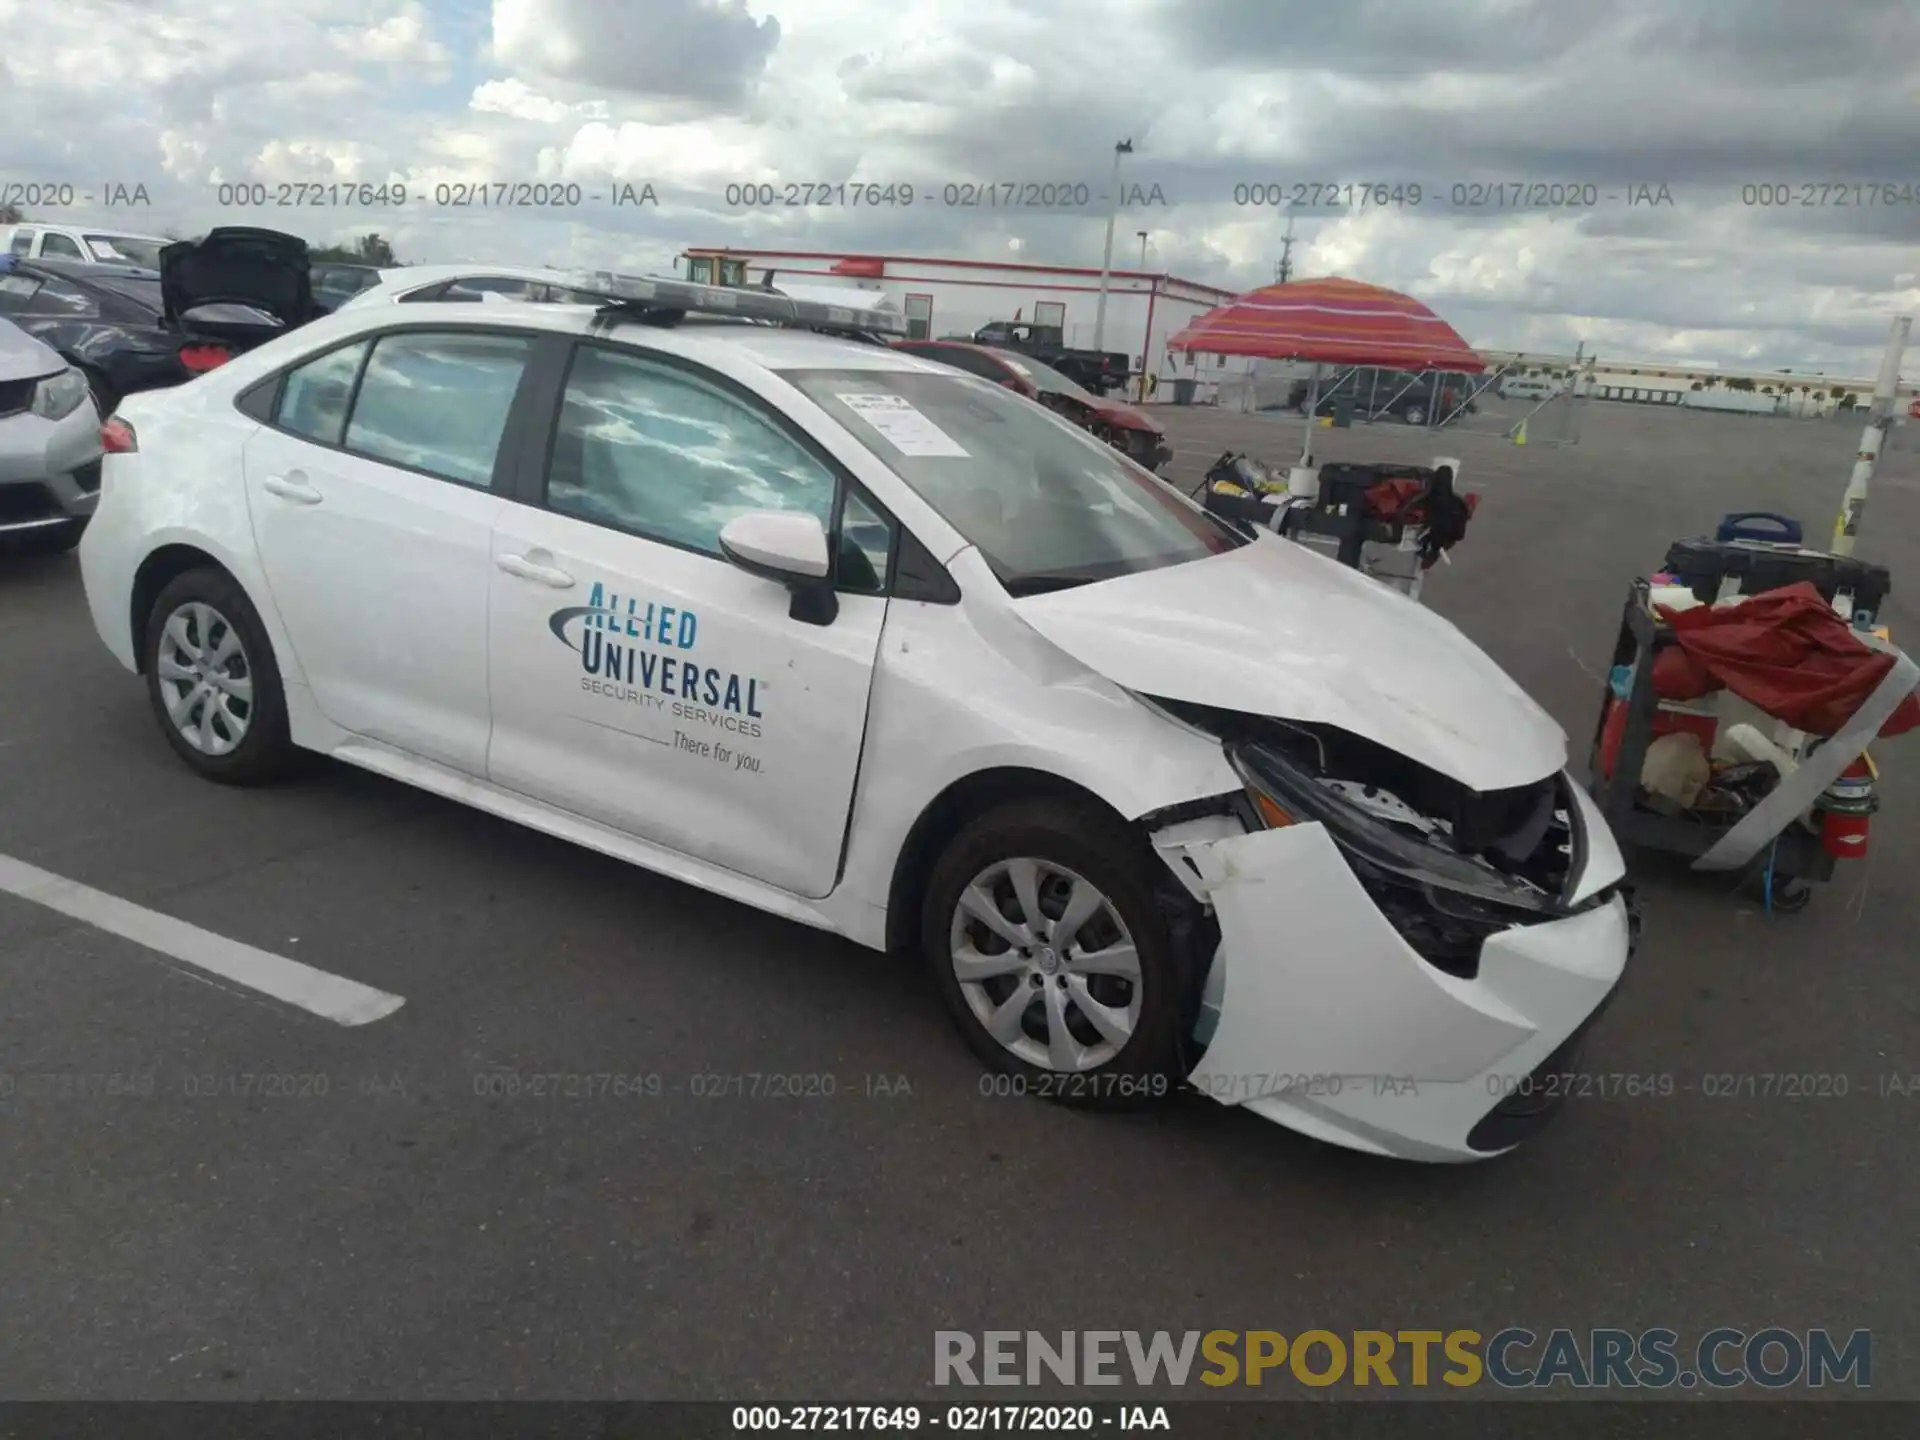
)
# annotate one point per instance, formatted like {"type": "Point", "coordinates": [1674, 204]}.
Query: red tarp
{"type": "Point", "coordinates": [1785, 651]}
{"type": "Point", "coordinates": [1333, 321]}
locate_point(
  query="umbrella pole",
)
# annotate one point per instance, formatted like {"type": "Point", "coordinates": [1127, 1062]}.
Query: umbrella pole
{"type": "Point", "coordinates": [1313, 404]}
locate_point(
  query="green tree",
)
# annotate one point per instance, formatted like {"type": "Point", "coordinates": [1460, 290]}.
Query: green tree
{"type": "Point", "coordinates": [1740, 382]}
{"type": "Point", "coordinates": [369, 249]}
{"type": "Point", "coordinates": [11, 215]}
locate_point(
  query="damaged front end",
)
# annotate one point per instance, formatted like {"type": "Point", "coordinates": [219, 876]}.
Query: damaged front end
{"type": "Point", "coordinates": [1398, 953]}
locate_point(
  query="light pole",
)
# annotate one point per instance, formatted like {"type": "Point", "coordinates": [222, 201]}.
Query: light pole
{"type": "Point", "coordinates": [1879, 422]}
{"type": "Point", "coordinates": [1143, 248]}
{"type": "Point", "coordinates": [1125, 147]}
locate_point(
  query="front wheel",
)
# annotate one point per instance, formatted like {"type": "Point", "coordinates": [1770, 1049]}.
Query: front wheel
{"type": "Point", "coordinates": [1414, 415]}
{"type": "Point", "coordinates": [1048, 947]}
{"type": "Point", "coordinates": [213, 681]}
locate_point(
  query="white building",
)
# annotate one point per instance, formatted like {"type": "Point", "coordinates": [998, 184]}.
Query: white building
{"type": "Point", "coordinates": [951, 298]}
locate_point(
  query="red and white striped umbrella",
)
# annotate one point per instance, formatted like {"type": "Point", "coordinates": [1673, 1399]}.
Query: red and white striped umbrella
{"type": "Point", "coordinates": [1333, 321]}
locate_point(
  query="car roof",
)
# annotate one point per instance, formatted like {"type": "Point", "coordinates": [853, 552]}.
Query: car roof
{"type": "Point", "coordinates": [990, 351]}
{"type": "Point", "coordinates": [773, 347]}
{"type": "Point", "coordinates": [412, 277]}
{"type": "Point", "coordinates": [89, 270]}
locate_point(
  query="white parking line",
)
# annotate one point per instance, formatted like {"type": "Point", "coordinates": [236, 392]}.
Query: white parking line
{"type": "Point", "coordinates": [345, 1002]}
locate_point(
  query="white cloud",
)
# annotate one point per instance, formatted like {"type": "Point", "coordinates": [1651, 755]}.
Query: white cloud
{"type": "Point", "coordinates": [519, 100]}
{"type": "Point", "coordinates": [692, 95]}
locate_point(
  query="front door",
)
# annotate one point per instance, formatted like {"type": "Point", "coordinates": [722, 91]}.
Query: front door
{"type": "Point", "coordinates": [375, 530]}
{"type": "Point", "coordinates": [641, 680]}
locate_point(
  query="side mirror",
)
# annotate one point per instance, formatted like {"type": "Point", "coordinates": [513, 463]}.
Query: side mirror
{"type": "Point", "coordinates": [789, 548]}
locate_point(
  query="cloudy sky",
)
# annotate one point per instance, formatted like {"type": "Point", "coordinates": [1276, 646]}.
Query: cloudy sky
{"type": "Point", "coordinates": [1728, 104]}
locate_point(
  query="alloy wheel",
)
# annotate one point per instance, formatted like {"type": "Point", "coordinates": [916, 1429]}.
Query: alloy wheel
{"type": "Point", "coordinates": [1046, 964]}
{"type": "Point", "coordinates": [205, 679]}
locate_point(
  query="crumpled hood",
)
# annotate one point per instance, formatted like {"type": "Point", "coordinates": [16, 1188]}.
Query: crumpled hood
{"type": "Point", "coordinates": [24, 358]}
{"type": "Point", "coordinates": [1274, 629]}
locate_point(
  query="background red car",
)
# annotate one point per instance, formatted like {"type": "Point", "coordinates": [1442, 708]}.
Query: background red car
{"type": "Point", "coordinates": [1136, 435]}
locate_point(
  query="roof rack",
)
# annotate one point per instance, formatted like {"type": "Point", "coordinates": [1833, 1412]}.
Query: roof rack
{"type": "Point", "coordinates": [657, 300]}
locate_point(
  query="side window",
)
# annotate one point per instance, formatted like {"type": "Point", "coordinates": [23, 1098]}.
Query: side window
{"type": "Point", "coordinates": [438, 401]}
{"type": "Point", "coordinates": [15, 292]}
{"type": "Point", "coordinates": [866, 547]}
{"type": "Point", "coordinates": [472, 287]}
{"type": "Point", "coordinates": [56, 297]}
{"type": "Point", "coordinates": [60, 247]}
{"type": "Point", "coordinates": [647, 448]}
{"type": "Point", "coordinates": [22, 242]}
{"type": "Point", "coordinates": [313, 398]}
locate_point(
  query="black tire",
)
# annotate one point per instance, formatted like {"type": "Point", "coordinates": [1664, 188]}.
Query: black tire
{"type": "Point", "coordinates": [1414, 415]}
{"type": "Point", "coordinates": [1148, 1066]}
{"type": "Point", "coordinates": [266, 751]}
{"type": "Point", "coordinates": [52, 540]}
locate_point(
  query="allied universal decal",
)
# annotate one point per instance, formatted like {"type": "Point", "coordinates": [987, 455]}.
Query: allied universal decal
{"type": "Point", "coordinates": [602, 633]}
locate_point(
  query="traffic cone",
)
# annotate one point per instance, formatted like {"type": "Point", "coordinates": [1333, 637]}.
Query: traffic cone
{"type": "Point", "coordinates": [1520, 433]}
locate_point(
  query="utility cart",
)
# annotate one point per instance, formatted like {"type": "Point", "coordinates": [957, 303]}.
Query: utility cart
{"type": "Point", "coordinates": [1779, 808]}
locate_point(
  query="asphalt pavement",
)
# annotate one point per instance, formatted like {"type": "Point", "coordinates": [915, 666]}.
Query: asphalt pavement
{"type": "Point", "coordinates": [763, 1166]}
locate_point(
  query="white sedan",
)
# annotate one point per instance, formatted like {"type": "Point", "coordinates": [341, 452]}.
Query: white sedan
{"type": "Point", "coordinates": [888, 650]}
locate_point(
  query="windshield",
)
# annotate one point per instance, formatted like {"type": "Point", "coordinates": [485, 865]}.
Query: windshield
{"type": "Point", "coordinates": [1045, 378]}
{"type": "Point", "coordinates": [1049, 506]}
{"type": "Point", "coordinates": [128, 248]}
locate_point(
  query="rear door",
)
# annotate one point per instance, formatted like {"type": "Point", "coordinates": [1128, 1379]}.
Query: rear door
{"type": "Point", "coordinates": [639, 678]}
{"type": "Point", "coordinates": [373, 498]}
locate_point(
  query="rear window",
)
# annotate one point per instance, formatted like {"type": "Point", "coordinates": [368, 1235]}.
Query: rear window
{"type": "Point", "coordinates": [144, 293]}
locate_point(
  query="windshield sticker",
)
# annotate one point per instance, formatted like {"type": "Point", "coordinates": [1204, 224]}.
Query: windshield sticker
{"type": "Point", "coordinates": [690, 704]}
{"type": "Point", "coordinates": [904, 427]}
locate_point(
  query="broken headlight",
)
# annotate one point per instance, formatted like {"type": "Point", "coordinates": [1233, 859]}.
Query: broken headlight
{"type": "Point", "coordinates": [1443, 902]}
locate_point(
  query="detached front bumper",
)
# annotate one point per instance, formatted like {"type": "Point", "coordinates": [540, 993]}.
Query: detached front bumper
{"type": "Point", "coordinates": [1326, 1021]}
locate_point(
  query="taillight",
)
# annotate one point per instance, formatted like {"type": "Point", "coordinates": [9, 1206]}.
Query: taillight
{"type": "Point", "coordinates": [201, 358]}
{"type": "Point", "coordinates": [117, 438]}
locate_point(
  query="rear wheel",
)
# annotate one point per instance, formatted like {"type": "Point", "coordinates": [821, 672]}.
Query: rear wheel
{"type": "Point", "coordinates": [1414, 414]}
{"type": "Point", "coordinates": [213, 681]}
{"type": "Point", "coordinates": [1051, 954]}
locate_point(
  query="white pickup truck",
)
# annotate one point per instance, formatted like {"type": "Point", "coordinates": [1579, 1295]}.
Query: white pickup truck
{"type": "Point", "coordinates": [86, 243]}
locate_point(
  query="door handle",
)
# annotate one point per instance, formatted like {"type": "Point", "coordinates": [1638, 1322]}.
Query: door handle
{"type": "Point", "coordinates": [531, 570]}
{"type": "Point", "coordinates": [291, 486]}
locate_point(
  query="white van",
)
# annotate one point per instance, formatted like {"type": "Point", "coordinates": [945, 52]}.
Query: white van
{"type": "Point", "coordinates": [1527, 387]}
{"type": "Point", "coordinates": [90, 245]}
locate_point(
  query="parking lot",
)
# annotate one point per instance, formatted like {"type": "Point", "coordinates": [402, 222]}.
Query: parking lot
{"type": "Point", "coordinates": [268, 1204]}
